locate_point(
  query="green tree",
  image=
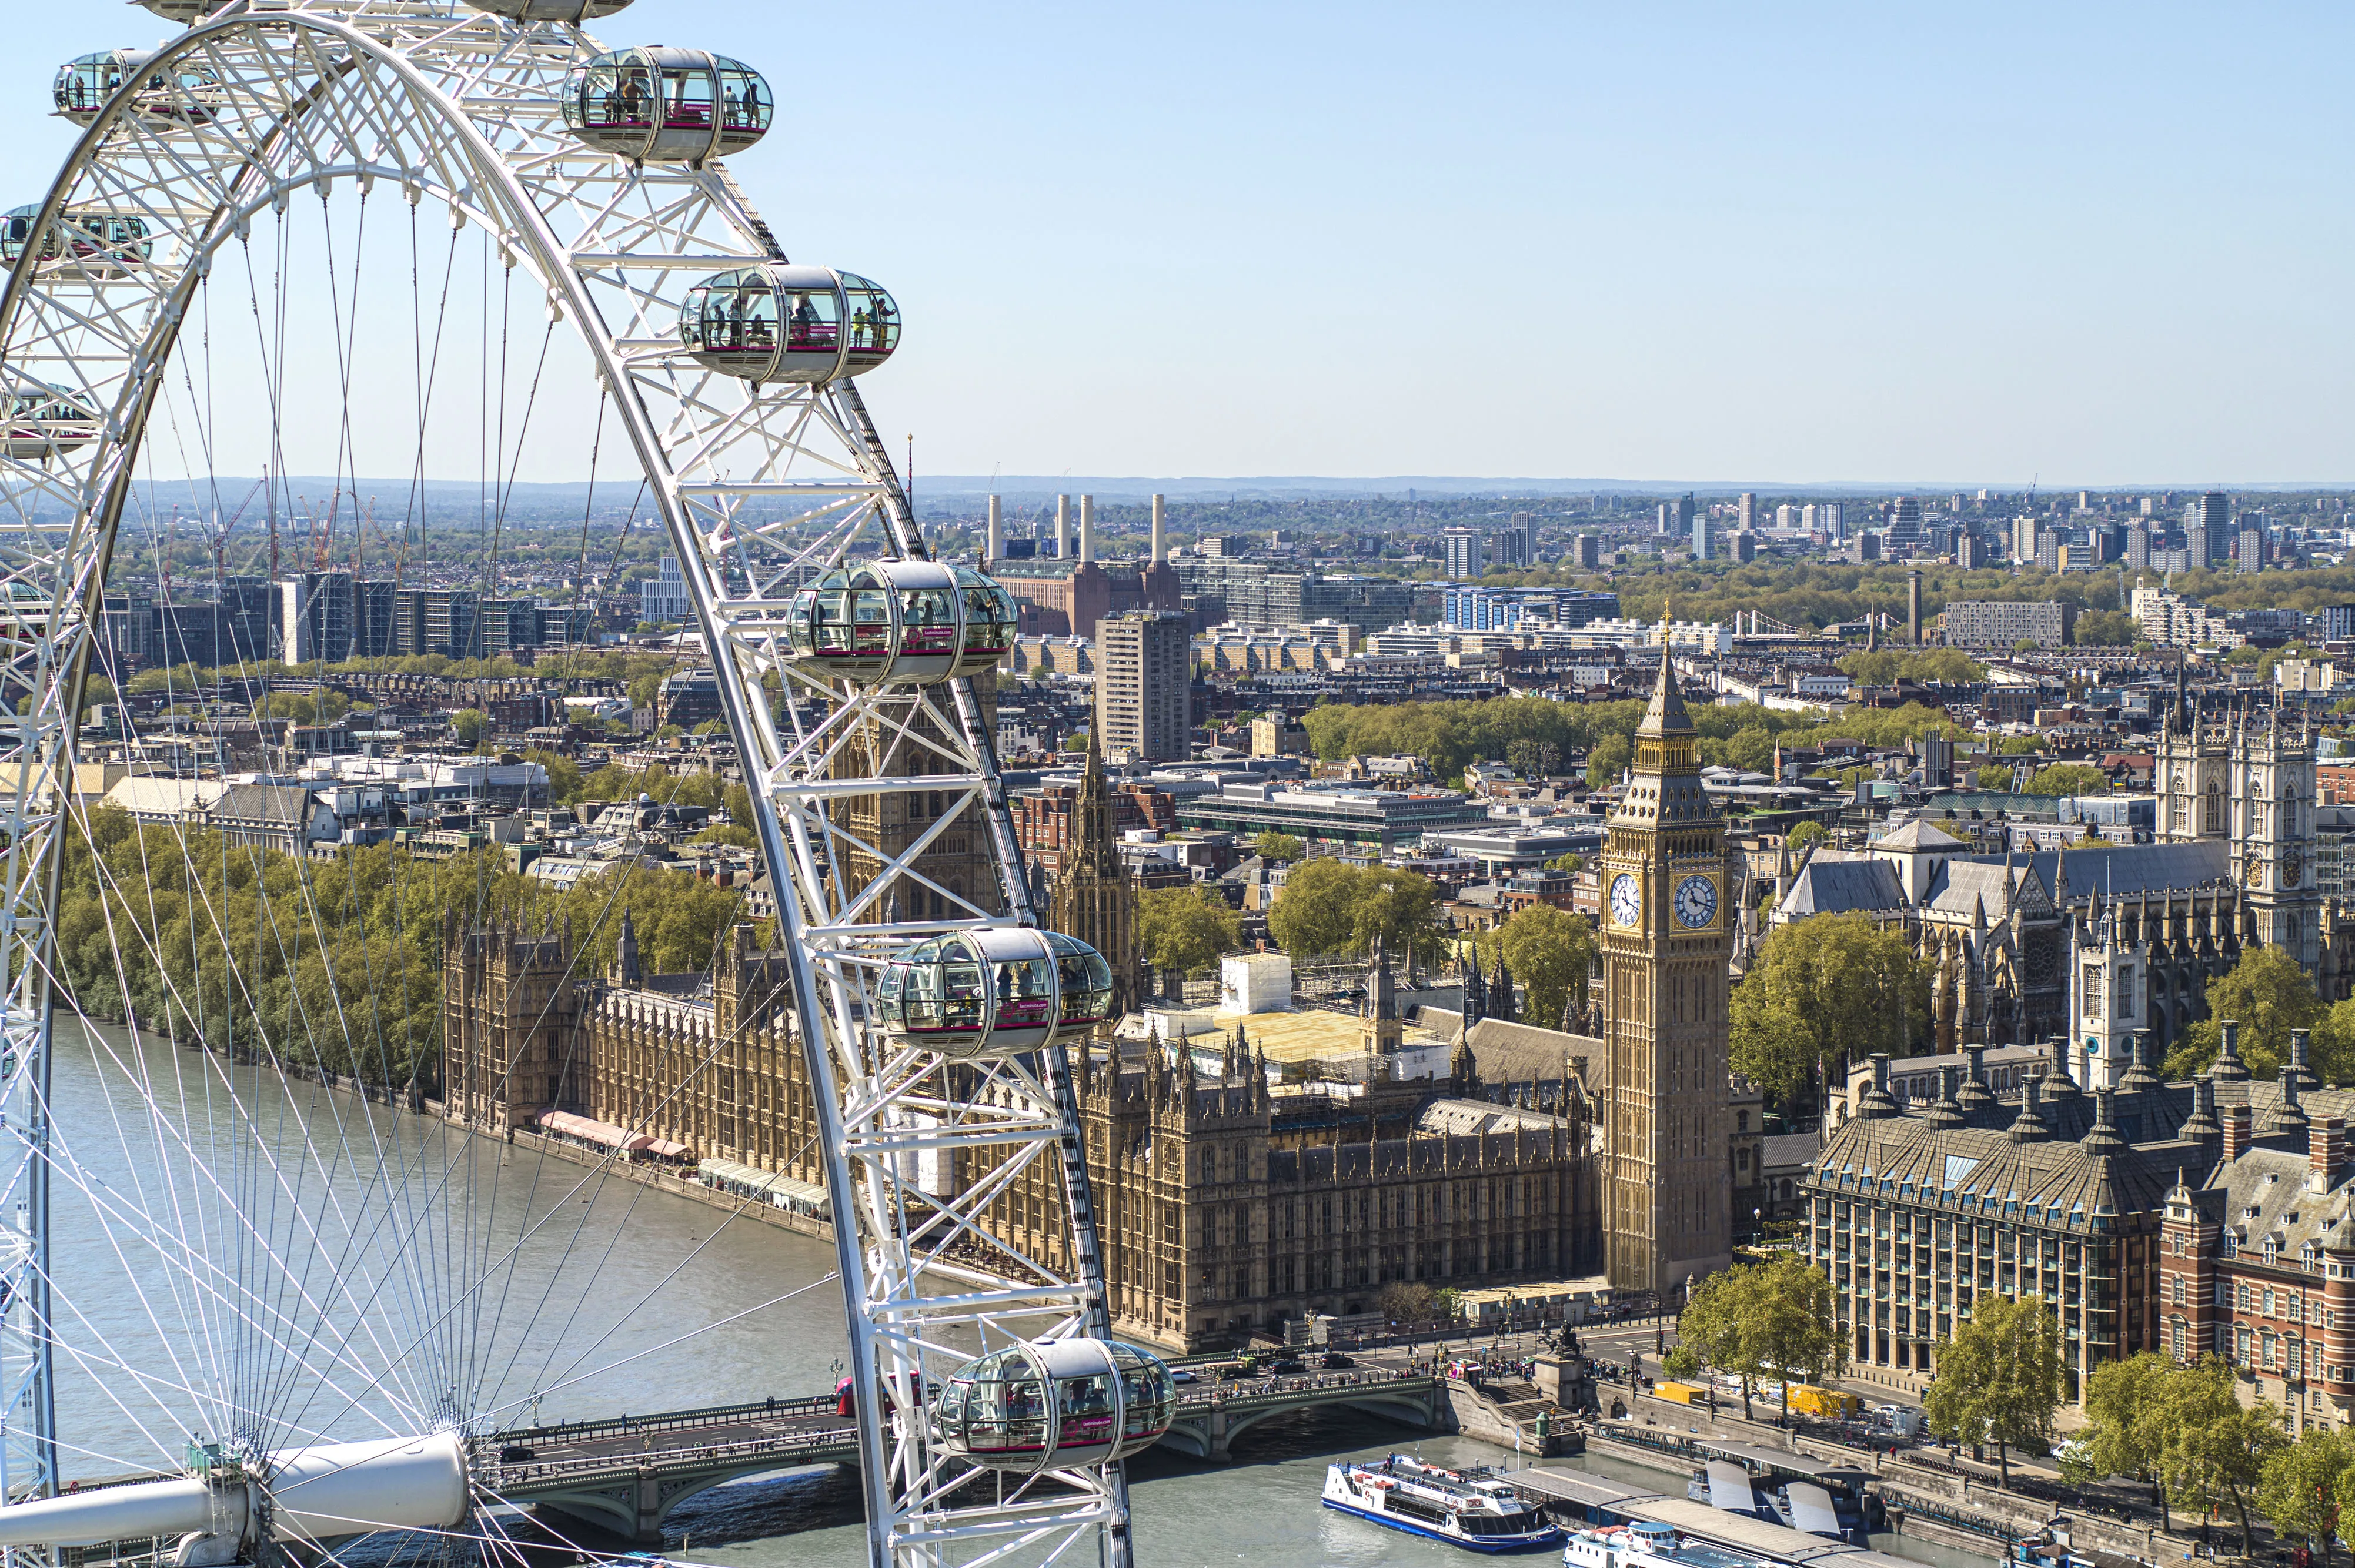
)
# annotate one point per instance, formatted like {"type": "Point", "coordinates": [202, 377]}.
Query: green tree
{"type": "Point", "coordinates": [563, 774]}
{"type": "Point", "coordinates": [2216, 1449]}
{"type": "Point", "coordinates": [1315, 912]}
{"type": "Point", "coordinates": [1549, 952]}
{"type": "Point", "coordinates": [469, 725]}
{"type": "Point", "coordinates": [2068, 778]}
{"type": "Point", "coordinates": [1999, 1377]}
{"type": "Point", "coordinates": [1714, 1325]}
{"type": "Point", "coordinates": [1273, 845]}
{"type": "Point", "coordinates": [1568, 865]}
{"type": "Point", "coordinates": [2106, 629]}
{"type": "Point", "coordinates": [2271, 993]}
{"type": "Point", "coordinates": [1404, 908]}
{"type": "Point", "coordinates": [1611, 756]}
{"type": "Point", "coordinates": [1533, 759]}
{"type": "Point", "coordinates": [2299, 1487]}
{"type": "Point", "coordinates": [1805, 833]}
{"type": "Point", "coordinates": [1793, 1318]}
{"type": "Point", "coordinates": [1824, 991]}
{"type": "Point", "coordinates": [2127, 1415]}
{"type": "Point", "coordinates": [1179, 930]}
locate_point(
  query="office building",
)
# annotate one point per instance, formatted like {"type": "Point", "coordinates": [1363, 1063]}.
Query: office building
{"type": "Point", "coordinates": [1745, 510]}
{"type": "Point", "coordinates": [1472, 609]}
{"type": "Point", "coordinates": [1145, 680]}
{"type": "Point", "coordinates": [1586, 553]}
{"type": "Point", "coordinates": [1677, 516]}
{"type": "Point", "coordinates": [316, 617]}
{"type": "Point", "coordinates": [2249, 550]}
{"type": "Point", "coordinates": [1742, 546]}
{"type": "Point", "coordinates": [2006, 623]}
{"type": "Point", "coordinates": [1466, 555]}
{"type": "Point", "coordinates": [1700, 539]}
{"type": "Point", "coordinates": [2208, 531]}
{"type": "Point", "coordinates": [1832, 517]}
{"type": "Point", "coordinates": [1905, 532]}
{"type": "Point", "coordinates": [662, 597]}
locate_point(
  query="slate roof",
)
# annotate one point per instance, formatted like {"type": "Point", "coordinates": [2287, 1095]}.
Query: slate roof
{"type": "Point", "coordinates": [1522, 1053]}
{"type": "Point", "coordinates": [1919, 835]}
{"type": "Point", "coordinates": [1842, 887]}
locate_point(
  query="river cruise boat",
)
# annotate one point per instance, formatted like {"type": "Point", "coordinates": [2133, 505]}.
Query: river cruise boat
{"type": "Point", "coordinates": [1645, 1544]}
{"type": "Point", "coordinates": [1471, 1508]}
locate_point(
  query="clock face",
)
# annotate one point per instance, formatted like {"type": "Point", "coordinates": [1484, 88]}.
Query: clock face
{"type": "Point", "coordinates": [2293, 868]}
{"type": "Point", "coordinates": [1626, 900]}
{"type": "Point", "coordinates": [1696, 901]}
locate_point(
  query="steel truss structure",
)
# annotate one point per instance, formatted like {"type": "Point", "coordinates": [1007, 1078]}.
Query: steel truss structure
{"type": "Point", "coordinates": [269, 102]}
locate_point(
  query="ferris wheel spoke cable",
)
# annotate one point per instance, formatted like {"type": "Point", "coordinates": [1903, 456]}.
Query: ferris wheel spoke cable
{"type": "Point", "coordinates": [171, 1166]}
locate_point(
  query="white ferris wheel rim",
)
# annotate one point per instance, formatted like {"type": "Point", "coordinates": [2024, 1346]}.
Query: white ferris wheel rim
{"type": "Point", "coordinates": [879, 1105]}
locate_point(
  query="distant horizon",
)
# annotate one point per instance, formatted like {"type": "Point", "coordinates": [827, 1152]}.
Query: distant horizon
{"type": "Point", "coordinates": [1207, 487]}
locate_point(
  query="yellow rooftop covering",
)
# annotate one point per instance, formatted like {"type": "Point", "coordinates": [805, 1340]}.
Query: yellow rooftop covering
{"type": "Point", "coordinates": [1302, 1036]}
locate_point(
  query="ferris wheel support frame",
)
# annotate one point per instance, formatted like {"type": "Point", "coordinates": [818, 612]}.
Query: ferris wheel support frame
{"type": "Point", "coordinates": [482, 86]}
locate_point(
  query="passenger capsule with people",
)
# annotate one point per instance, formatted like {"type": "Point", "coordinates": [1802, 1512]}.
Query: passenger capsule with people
{"type": "Point", "coordinates": [1055, 1405]}
{"type": "Point", "coordinates": [570, 12]}
{"type": "Point", "coordinates": [42, 421]}
{"type": "Point", "coordinates": [654, 104]}
{"type": "Point", "coordinates": [101, 244]}
{"type": "Point", "coordinates": [782, 323]}
{"type": "Point", "coordinates": [186, 92]}
{"type": "Point", "coordinates": [900, 623]}
{"type": "Point", "coordinates": [974, 995]}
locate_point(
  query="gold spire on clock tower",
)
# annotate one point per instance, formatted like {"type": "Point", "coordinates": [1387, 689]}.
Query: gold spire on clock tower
{"type": "Point", "coordinates": [1665, 937]}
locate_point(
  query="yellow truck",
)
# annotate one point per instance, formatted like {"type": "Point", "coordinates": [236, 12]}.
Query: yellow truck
{"type": "Point", "coordinates": [1829, 1405]}
{"type": "Point", "coordinates": [1680, 1393]}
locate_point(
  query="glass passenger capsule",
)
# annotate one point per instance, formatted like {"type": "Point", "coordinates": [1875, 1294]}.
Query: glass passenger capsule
{"type": "Point", "coordinates": [186, 93]}
{"type": "Point", "coordinates": [571, 12]}
{"type": "Point", "coordinates": [42, 421]}
{"type": "Point", "coordinates": [1056, 1405]}
{"type": "Point", "coordinates": [654, 104]}
{"type": "Point", "coordinates": [995, 992]}
{"type": "Point", "coordinates": [106, 244]}
{"type": "Point", "coordinates": [186, 12]}
{"type": "Point", "coordinates": [898, 622]}
{"type": "Point", "coordinates": [782, 323]}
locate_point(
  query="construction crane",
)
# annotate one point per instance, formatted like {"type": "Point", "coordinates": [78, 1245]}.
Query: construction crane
{"type": "Point", "coordinates": [219, 532]}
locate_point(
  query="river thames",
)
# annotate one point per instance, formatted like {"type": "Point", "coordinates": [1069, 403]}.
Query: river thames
{"type": "Point", "coordinates": [598, 1298]}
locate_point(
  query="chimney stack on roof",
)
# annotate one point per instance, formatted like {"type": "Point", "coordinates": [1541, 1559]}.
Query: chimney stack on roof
{"type": "Point", "coordinates": [2236, 1131]}
{"type": "Point", "coordinates": [2326, 1152]}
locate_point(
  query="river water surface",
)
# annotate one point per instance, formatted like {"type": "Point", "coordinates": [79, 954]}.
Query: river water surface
{"type": "Point", "coordinates": [595, 1294]}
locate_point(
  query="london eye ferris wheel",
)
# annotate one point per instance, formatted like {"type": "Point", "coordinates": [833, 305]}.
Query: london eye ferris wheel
{"type": "Point", "coordinates": [265, 151]}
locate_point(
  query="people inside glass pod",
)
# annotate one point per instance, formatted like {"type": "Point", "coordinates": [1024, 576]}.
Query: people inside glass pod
{"type": "Point", "coordinates": [887, 623]}
{"type": "Point", "coordinates": [995, 992]}
{"type": "Point", "coordinates": [573, 12]}
{"type": "Point", "coordinates": [103, 242]}
{"type": "Point", "coordinates": [782, 323]}
{"type": "Point", "coordinates": [654, 104]}
{"type": "Point", "coordinates": [1055, 1405]}
{"type": "Point", "coordinates": [42, 421]}
{"type": "Point", "coordinates": [186, 92]}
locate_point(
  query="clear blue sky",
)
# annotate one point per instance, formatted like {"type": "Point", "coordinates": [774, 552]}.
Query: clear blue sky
{"type": "Point", "coordinates": [2104, 244]}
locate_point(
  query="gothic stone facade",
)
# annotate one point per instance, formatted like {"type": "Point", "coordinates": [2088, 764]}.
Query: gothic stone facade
{"type": "Point", "coordinates": [1223, 1207]}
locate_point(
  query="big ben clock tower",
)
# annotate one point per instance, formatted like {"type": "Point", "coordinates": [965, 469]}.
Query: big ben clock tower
{"type": "Point", "coordinates": [1667, 938]}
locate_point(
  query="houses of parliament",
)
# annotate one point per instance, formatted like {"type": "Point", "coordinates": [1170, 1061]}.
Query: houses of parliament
{"type": "Point", "coordinates": [1228, 1203]}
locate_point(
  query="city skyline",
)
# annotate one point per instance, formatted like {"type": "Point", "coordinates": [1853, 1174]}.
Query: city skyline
{"type": "Point", "coordinates": [1831, 246]}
